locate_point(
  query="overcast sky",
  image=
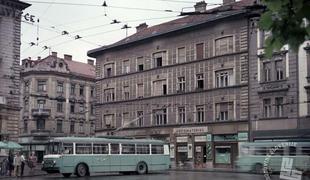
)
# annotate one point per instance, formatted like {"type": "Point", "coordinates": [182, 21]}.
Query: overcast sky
{"type": "Point", "coordinates": [91, 22]}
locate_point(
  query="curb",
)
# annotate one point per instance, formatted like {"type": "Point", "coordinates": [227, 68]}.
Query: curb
{"type": "Point", "coordinates": [211, 170]}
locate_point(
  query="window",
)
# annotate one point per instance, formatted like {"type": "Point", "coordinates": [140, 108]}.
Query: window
{"type": "Point", "coordinates": [41, 104]}
{"type": "Point", "coordinates": [159, 59]}
{"type": "Point", "coordinates": [81, 128]}
{"type": "Point", "coordinates": [72, 108]}
{"type": "Point", "coordinates": [199, 79]}
{"type": "Point", "coordinates": [72, 127]}
{"type": "Point", "coordinates": [181, 115]}
{"type": "Point", "coordinates": [128, 149]}
{"type": "Point", "coordinates": [114, 148]}
{"type": "Point", "coordinates": [223, 78]}
{"type": "Point", "coordinates": [125, 119]}
{"type": "Point", "coordinates": [100, 149]}
{"type": "Point", "coordinates": [92, 92]}
{"type": "Point", "coordinates": [126, 66]}
{"type": "Point", "coordinates": [181, 83]}
{"type": "Point", "coordinates": [92, 127]}
{"type": "Point", "coordinates": [81, 90]}
{"type": "Point", "coordinates": [279, 70]}
{"type": "Point", "coordinates": [267, 108]}
{"type": "Point", "coordinates": [59, 107]}
{"type": "Point", "coordinates": [279, 106]}
{"type": "Point", "coordinates": [81, 108]}
{"type": "Point", "coordinates": [199, 51]}
{"type": "Point", "coordinates": [140, 64]}
{"type": "Point", "coordinates": [68, 148]}
{"type": "Point", "coordinates": [126, 92]}
{"type": "Point", "coordinates": [140, 121]}
{"type": "Point", "coordinates": [108, 70]}
{"type": "Point", "coordinates": [27, 86]}
{"type": "Point", "coordinates": [59, 126]}
{"type": "Point", "coordinates": [159, 87]}
{"type": "Point", "coordinates": [224, 45]}
{"type": "Point", "coordinates": [181, 55]}
{"type": "Point", "coordinates": [157, 149]}
{"type": "Point", "coordinates": [266, 71]}
{"type": "Point", "coordinates": [140, 90]}
{"type": "Point", "coordinates": [41, 86]}
{"type": "Point", "coordinates": [143, 149]}
{"type": "Point", "coordinates": [25, 126]}
{"type": "Point", "coordinates": [160, 117]}
{"type": "Point", "coordinates": [26, 102]}
{"type": "Point", "coordinates": [83, 148]}
{"type": "Point", "coordinates": [92, 109]}
{"type": "Point", "coordinates": [108, 121]}
{"type": "Point", "coordinates": [40, 124]}
{"type": "Point", "coordinates": [224, 111]}
{"type": "Point", "coordinates": [200, 117]}
{"type": "Point", "coordinates": [72, 89]}
{"type": "Point", "coordinates": [60, 87]}
{"type": "Point", "coordinates": [109, 94]}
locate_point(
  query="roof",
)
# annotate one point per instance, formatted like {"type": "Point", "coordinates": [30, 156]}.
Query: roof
{"type": "Point", "coordinates": [95, 139]}
{"type": "Point", "coordinates": [74, 67]}
{"type": "Point", "coordinates": [179, 24]}
{"type": "Point", "coordinates": [15, 3]}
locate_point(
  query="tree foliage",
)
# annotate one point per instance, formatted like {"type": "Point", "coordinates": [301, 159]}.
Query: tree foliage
{"type": "Point", "coordinates": [288, 22]}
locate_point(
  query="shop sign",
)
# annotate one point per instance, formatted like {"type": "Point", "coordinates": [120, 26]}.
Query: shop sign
{"type": "Point", "coordinates": [193, 130]}
{"type": "Point", "coordinates": [182, 149]}
{"type": "Point", "coordinates": [198, 148]}
{"type": "Point", "coordinates": [200, 138]}
{"type": "Point", "coordinates": [190, 151]}
{"type": "Point", "coordinates": [242, 136]}
{"type": "Point", "coordinates": [209, 137]}
{"type": "Point", "coordinates": [172, 155]}
{"type": "Point", "coordinates": [228, 137]}
{"type": "Point", "coordinates": [182, 139]}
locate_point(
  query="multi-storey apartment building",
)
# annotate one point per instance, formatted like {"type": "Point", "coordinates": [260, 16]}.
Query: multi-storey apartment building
{"type": "Point", "coordinates": [10, 25]}
{"type": "Point", "coordinates": [183, 81]}
{"type": "Point", "coordinates": [58, 96]}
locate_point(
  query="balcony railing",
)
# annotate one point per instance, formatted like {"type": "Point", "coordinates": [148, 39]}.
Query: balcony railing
{"type": "Point", "coordinates": [41, 112]}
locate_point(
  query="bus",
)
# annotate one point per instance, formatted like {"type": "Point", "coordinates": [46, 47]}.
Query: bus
{"type": "Point", "coordinates": [82, 156]}
{"type": "Point", "coordinates": [266, 157]}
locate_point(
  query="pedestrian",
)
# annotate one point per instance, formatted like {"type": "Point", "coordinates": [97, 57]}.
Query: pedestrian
{"type": "Point", "coordinates": [32, 161]}
{"type": "Point", "coordinates": [22, 167]}
{"type": "Point", "coordinates": [4, 165]}
{"type": "Point", "coordinates": [10, 166]}
{"type": "Point", "coordinates": [17, 164]}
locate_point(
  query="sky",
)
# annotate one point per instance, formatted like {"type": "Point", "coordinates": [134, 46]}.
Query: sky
{"type": "Point", "coordinates": [61, 21]}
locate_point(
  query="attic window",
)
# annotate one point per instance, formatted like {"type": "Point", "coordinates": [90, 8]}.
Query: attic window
{"type": "Point", "coordinates": [60, 65]}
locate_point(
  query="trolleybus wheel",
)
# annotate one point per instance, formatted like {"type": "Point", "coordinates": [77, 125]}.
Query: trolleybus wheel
{"type": "Point", "coordinates": [81, 170]}
{"type": "Point", "coordinates": [141, 168]}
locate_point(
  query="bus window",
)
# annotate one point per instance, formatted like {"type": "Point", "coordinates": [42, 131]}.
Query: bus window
{"type": "Point", "coordinates": [67, 148]}
{"type": "Point", "coordinates": [305, 151]}
{"type": "Point", "coordinates": [114, 148]}
{"type": "Point", "coordinates": [260, 151]}
{"type": "Point", "coordinates": [83, 149]}
{"type": "Point", "coordinates": [292, 151]}
{"type": "Point", "coordinates": [53, 148]}
{"type": "Point", "coordinates": [143, 149]}
{"type": "Point", "coordinates": [157, 149]}
{"type": "Point", "coordinates": [100, 149]}
{"type": "Point", "coordinates": [128, 149]}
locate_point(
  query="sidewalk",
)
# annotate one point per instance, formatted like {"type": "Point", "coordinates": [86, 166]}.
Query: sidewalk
{"type": "Point", "coordinates": [28, 173]}
{"type": "Point", "coordinates": [224, 170]}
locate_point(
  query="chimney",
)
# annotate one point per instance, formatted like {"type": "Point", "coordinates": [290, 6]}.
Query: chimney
{"type": "Point", "coordinates": [141, 27]}
{"type": "Point", "coordinates": [90, 62]}
{"type": "Point", "coordinates": [228, 2]}
{"type": "Point", "coordinates": [54, 54]}
{"type": "Point", "coordinates": [39, 57]}
{"type": "Point", "coordinates": [200, 6]}
{"type": "Point", "coordinates": [29, 58]}
{"type": "Point", "coordinates": [68, 57]}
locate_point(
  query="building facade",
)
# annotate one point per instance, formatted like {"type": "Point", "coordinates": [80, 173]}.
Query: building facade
{"type": "Point", "coordinates": [10, 26]}
{"type": "Point", "coordinates": [279, 91]}
{"type": "Point", "coordinates": [183, 81]}
{"type": "Point", "coordinates": [58, 96]}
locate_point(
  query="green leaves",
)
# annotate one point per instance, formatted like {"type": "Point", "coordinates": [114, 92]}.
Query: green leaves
{"type": "Point", "coordinates": [285, 19]}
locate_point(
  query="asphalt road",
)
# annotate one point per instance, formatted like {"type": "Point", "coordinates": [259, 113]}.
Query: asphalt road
{"type": "Point", "coordinates": [172, 175]}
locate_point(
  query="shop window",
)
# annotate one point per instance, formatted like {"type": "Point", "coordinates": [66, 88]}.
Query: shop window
{"type": "Point", "coordinates": [222, 154]}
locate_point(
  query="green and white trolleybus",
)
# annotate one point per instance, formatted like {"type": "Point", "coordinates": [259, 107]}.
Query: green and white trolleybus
{"type": "Point", "coordinates": [82, 156]}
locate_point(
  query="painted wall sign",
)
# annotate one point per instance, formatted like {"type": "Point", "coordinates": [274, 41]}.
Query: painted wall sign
{"type": "Point", "coordinates": [192, 130]}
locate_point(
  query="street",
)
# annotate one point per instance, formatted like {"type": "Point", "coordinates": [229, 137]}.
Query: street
{"type": "Point", "coordinates": [172, 175]}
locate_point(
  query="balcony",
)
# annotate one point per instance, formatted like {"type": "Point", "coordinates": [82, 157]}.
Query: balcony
{"type": "Point", "coordinates": [41, 112]}
{"type": "Point", "coordinates": [41, 132]}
